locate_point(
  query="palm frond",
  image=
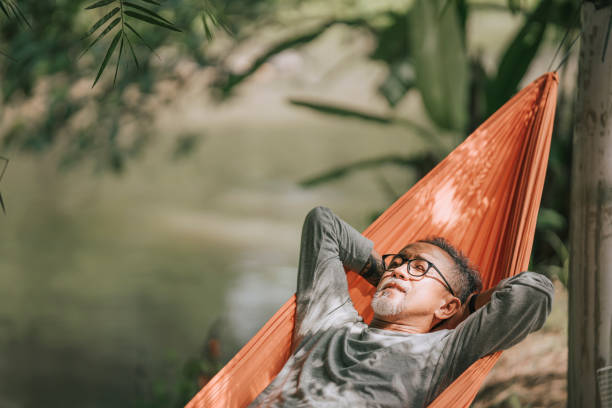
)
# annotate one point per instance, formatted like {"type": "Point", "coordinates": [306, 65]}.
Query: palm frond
{"type": "Point", "coordinates": [12, 11]}
{"type": "Point", "coordinates": [120, 16]}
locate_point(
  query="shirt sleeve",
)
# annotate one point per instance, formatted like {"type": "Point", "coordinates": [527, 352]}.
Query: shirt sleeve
{"type": "Point", "coordinates": [328, 245]}
{"type": "Point", "coordinates": [519, 305]}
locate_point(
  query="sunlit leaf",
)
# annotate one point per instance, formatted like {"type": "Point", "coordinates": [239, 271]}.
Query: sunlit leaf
{"type": "Point", "coordinates": [102, 34]}
{"type": "Point", "coordinates": [146, 10]}
{"type": "Point", "coordinates": [518, 56]}
{"type": "Point", "coordinates": [150, 20]}
{"type": "Point", "coordinates": [118, 60]}
{"type": "Point", "coordinates": [110, 51]}
{"type": "Point", "coordinates": [440, 63]}
{"type": "Point", "coordinates": [100, 3]}
{"type": "Point", "coordinates": [101, 21]}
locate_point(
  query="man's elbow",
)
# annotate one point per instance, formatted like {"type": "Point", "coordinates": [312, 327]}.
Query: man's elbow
{"type": "Point", "coordinates": [539, 295]}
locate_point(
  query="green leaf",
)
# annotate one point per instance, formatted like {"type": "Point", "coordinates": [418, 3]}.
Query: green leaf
{"type": "Point", "coordinates": [150, 20]}
{"type": "Point", "coordinates": [2, 204]}
{"type": "Point", "coordinates": [440, 63]}
{"type": "Point", "coordinates": [514, 6]}
{"type": "Point", "coordinates": [146, 10]}
{"type": "Point", "coordinates": [118, 61]}
{"type": "Point", "coordinates": [19, 14]}
{"type": "Point", "coordinates": [605, 46]}
{"type": "Point", "coordinates": [100, 3]}
{"type": "Point", "coordinates": [549, 219]}
{"type": "Point", "coordinates": [102, 34]}
{"type": "Point", "coordinates": [422, 163]}
{"type": "Point", "coordinates": [101, 21]}
{"type": "Point", "coordinates": [518, 57]}
{"type": "Point", "coordinates": [207, 29]}
{"type": "Point", "coordinates": [139, 36]}
{"type": "Point", "coordinates": [111, 49]}
{"type": "Point", "coordinates": [132, 50]}
{"type": "Point", "coordinates": [152, 2]}
{"type": "Point", "coordinates": [398, 82]}
{"type": "Point", "coordinates": [3, 8]}
{"type": "Point", "coordinates": [5, 55]}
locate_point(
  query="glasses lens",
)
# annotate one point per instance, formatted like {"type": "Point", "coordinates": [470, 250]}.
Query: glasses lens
{"type": "Point", "coordinates": [394, 261]}
{"type": "Point", "coordinates": [419, 267]}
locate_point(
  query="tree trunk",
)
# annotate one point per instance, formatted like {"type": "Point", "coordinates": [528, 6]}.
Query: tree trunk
{"type": "Point", "coordinates": [590, 282]}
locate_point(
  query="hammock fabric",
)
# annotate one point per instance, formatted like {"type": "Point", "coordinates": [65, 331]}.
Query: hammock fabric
{"type": "Point", "coordinates": [483, 197]}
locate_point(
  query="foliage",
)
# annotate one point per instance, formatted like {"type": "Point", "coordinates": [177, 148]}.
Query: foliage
{"type": "Point", "coordinates": [426, 50]}
{"type": "Point", "coordinates": [191, 376]}
{"type": "Point", "coordinates": [48, 58]}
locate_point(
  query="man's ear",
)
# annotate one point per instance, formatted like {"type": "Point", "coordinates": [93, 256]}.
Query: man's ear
{"type": "Point", "coordinates": [448, 308]}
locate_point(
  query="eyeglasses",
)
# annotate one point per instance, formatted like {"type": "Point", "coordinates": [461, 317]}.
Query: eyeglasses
{"type": "Point", "coordinates": [416, 267]}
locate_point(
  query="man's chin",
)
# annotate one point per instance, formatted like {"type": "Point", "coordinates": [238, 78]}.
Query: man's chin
{"type": "Point", "coordinates": [386, 307]}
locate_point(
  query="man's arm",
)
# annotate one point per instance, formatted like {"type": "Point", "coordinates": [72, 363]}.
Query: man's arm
{"type": "Point", "coordinates": [505, 315]}
{"type": "Point", "coordinates": [373, 269]}
{"type": "Point", "coordinates": [328, 245]}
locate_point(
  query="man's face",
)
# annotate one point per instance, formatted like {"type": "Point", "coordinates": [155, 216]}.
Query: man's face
{"type": "Point", "coordinates": [400, 295]}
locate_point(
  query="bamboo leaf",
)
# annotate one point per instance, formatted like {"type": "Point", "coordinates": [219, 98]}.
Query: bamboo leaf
{"type": "Point", "coordinates": [207, 30]}
{"type": "Point", "coordinates": [101, 21]}
{"type": "Point", "coordinates": [150, 20]}
{"type": "Point", "coordinates": [605, 46]}
{"type": "Point", "coordinates": [422, 163]}
{"type": "Point", "coordinates": [118, 60]}
{"type": "Point", "coordinates": [139, 36]}
{"type": "Point", "coordinates": [18, 13]}
{"type": "Point", "coordinates": [2, 204]}
{"type": "Point", "coordinates": [100, 3]}
{"type": "Point", "coordinates": [6, 162]}
{"type": "Point", "coordinates": [102, 34]}
{"type": "Point", "coordinates": [23, 17]}
{"type": "Point", "coordinates": [152, 2]}
{"type": "Point", "coordinates": [5, 55]}
{"type": "Point", "coordinates": [3, 8]}
{"type": "Point", "coordinates": [110, 51]}
{"type": "Point", "coordinates": [132, 50]}
{"type": "Point", "coordinates": [146, 10]}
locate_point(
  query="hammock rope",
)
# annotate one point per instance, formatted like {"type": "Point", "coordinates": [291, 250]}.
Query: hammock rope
{"type": "Point", "coordinates": [484, 197]}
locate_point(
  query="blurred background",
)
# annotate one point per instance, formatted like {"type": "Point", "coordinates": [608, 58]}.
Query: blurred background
{"type": "Point", "coordinates": [157, 180]}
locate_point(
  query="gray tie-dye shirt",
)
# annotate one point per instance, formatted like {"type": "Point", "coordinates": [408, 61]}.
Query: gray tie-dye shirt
{"type": "Point", "coordinates": [338, 361]}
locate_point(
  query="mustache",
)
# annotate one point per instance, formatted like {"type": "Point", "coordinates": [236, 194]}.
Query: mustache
{"type": "Point", "coordinates": [393, 282]}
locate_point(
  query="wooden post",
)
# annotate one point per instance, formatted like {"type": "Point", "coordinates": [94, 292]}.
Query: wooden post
{"type": "Point", "coordinates": [590, 281]}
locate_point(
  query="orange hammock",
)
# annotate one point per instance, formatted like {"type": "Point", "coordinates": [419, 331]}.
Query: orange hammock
{"type": "Point", "coordinates": [484, 197]}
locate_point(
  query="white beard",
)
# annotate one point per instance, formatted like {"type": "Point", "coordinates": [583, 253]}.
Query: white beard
{"type": "Point", "coordinates": [384, 305]}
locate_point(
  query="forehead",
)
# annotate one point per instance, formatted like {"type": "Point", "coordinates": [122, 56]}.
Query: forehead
{"type": "Point", "coordinates": [429, 252]}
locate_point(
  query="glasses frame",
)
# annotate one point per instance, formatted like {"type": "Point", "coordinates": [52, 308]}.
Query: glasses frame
{"type": "Point", "coordinates": [407, 261]}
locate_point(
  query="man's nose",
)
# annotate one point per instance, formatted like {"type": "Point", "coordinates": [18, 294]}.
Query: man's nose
{"type": "Point", "coordinates": [400, 272]}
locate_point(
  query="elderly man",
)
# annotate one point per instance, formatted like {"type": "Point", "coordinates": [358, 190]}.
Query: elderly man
{"type": "Point", "coordinates": [430, 323]}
